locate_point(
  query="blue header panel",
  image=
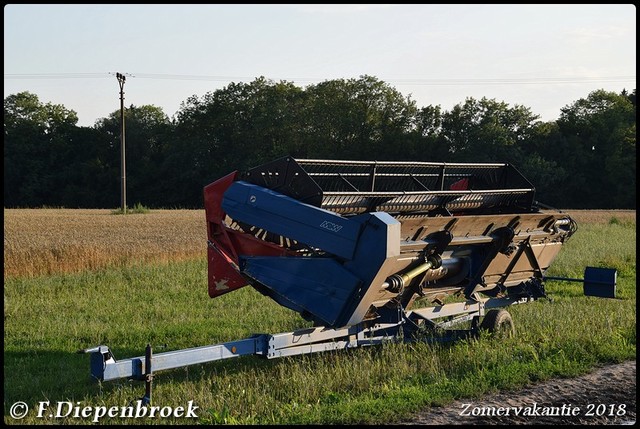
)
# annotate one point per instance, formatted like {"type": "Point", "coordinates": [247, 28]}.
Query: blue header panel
{"type": "Point", "coordinates": [290, 218]}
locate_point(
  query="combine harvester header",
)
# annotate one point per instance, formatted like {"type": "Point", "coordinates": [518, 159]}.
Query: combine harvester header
{"type": "Point", "coordinates": [353, 245]}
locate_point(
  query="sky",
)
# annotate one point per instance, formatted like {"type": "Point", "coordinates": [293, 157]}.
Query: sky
{"type": "Point", "coordinates": [544, 57]}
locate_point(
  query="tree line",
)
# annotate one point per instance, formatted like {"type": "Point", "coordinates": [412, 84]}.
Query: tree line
{"type": "Point", "coordinates": [584, 159]}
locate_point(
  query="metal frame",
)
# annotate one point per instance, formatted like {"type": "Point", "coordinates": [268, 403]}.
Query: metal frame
{"type": "Point", "coordinates": [351, 187]}
{"type": "Point", "coordinates": [394, 326]}
{"type": "Point", "coordinates": [105, 367]}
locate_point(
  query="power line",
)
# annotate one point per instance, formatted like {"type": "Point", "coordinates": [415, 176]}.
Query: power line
{"type": "Point", "coordinates": [427, 82]}
{"type": "Point", "coordinates": [516, 81]}
{"type": "Point", "coordinates": [55, 75]}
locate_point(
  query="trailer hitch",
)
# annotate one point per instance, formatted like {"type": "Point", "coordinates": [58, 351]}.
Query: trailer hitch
{"type": "Point", "coordinates": [600, 282]}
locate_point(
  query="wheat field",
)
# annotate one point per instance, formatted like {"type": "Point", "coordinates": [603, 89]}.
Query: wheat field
{"type": "Point", "coordinates": [51, 241]}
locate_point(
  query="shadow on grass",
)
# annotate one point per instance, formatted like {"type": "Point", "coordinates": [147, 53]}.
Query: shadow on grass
{"type": "Point", "coordinates": [54, 376]}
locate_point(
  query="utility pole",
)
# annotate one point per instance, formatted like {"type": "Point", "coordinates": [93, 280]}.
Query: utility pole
{"type": "Point", "coordinates": [123, 179]}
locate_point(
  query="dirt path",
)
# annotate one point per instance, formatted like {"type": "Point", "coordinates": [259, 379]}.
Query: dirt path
{"type": "Point", "coordinates": [608, 392]}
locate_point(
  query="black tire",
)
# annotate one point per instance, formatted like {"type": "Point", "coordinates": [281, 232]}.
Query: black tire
{"type": "Point", "coordinates": [498, 323]}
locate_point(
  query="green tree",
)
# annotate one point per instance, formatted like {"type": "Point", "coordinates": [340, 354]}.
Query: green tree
{"type": "Point", "coordinates": [38, 139]}
{"type": "Point", "coordinates": [542, 165]}
{"type": "Point", "coordinates": [430, 144]}
{"type": "Point", "coordinates": [487, 131]}
{"type": "Point", "coordinates": [600, 149]}
{"type": "Point", "coordinates": [234, 128]}
{"type": "Point", "coordinates": [147, 137]}
{"type": "Point", "coordinates": [361, 118]}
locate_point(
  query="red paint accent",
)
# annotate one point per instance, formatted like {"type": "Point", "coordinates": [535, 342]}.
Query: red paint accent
{"type": "Point", "coordinates": [223, 277]}
{"type": "Point", "coordinates": [213, 197]}
{"type": "Point", "coordinates": [223, 257]}
{"type": "Point", "coordinates": [460, 185]}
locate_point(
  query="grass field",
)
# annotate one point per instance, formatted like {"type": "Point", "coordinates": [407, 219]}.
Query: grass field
{"type": "Point", "coordinates": [125, 281]}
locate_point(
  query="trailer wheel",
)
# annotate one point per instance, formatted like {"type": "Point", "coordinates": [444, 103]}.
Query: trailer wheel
{"type": "Point", "coordinates": [498, 323]}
